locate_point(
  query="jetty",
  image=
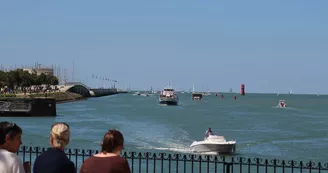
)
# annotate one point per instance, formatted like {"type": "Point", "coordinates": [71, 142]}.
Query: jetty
{"type": "Point", "coordinates": [27, 107]}
{"type": "Point", "coordinates": [44, 103]}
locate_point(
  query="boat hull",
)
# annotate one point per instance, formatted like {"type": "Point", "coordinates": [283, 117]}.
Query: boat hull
{"type": "Point", "coordinates": [197, 96]}
{"type": "Point", "coordinates": [169, 101]}
{"type": "Point", "coordinates": [219, 148]}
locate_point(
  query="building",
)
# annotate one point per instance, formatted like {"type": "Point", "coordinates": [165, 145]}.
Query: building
{"type": "Point", "coordinates": [39, 71]}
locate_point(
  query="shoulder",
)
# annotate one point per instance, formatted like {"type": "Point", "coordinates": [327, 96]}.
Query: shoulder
{"type": "Point", "coordinates": [13, 157]}
{"type": "Point", "coordinates": [13, 161]}
{"type": "Point", "coordinates": [43, 156]}
{"type": "Point", "coordinates": [89, 159]}
{"type": "Point", "coordinates": [121, 161]}
{"type": "Point", "coordinates": [45, 153]}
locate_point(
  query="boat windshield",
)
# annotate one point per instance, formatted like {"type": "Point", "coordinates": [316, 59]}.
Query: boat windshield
{"type": "Point", "coordinates": [168, 90]}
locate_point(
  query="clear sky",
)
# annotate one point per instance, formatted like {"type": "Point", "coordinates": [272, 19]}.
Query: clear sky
{"type": "Point", "coordinates": [278, 44]}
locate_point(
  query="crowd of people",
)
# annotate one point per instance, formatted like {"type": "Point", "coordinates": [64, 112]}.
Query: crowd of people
{"type": "Point", "coordinates": [54, 160]}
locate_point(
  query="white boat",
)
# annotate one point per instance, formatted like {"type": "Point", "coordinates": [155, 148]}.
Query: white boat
{"type": "Point", "coordinates": [136, 93]}
{"type": "Point", "coordinates": [168, 96]}
{"type": "Point", "coordinates": [196, 96]}
{"type": "Point", "coordinates": [144, 94]}
{"type": "Point", "coordinates": [152, 91]}
{"type": "Point", "coordinates": [214, 144]}
{"type": "Point", "coordinates": [282, 104]}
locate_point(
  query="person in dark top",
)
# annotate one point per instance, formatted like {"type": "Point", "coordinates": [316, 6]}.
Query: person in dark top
{"type": "Point", "coordinates": [109, 159]}
{"type": "Point", "coordinates": [54, 160]}
{"type": "Point", "coordinates": [208, 132]}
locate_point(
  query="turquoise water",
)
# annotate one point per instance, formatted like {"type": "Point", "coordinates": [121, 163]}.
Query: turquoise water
{"type": "Point", "coordinates": [261, 130]}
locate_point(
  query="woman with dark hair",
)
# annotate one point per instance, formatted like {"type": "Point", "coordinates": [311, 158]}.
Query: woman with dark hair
{"type": "Point", "coordinates": [109, 159]}
{"type": "Point", "coordinates": [10, 140]}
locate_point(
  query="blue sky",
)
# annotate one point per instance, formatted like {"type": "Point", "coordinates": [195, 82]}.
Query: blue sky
{"type": "Point", "coordinates": [267, 45]}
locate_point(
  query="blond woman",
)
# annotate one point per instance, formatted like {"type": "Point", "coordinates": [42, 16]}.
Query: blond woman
{"type": "Point", "coordinates": [54, 160]}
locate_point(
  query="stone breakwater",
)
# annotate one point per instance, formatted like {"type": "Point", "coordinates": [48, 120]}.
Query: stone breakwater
{"type": "Point", "coordinates": [60, 97]}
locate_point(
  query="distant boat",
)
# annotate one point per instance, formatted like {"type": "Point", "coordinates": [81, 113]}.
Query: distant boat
{"type": "Point", "coordinates": [282, 104]}
{"type": "Point", "coordinates": [196, 95]}
{"type": "Point", "coordinates": [152, 91]}
{"type": "Point", "coordinates": [136, 93]}
{"type": "Point", "coordinates": [145, 94]}
{"type": "Point", "coordinates": [168, 96]}
{"type": "Point", "coordinates": [290, 92]}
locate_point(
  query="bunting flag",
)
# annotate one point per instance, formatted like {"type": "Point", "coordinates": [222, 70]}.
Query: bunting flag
{"type": "Point", "coordinates": [103, 78]}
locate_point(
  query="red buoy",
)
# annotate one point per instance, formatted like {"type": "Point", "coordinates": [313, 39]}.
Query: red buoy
{"type": "Point", "coordinates": [242, 89]}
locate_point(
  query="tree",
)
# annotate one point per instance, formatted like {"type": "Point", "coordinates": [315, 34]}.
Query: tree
{"type": "Point", "coordinates": [3, 79]}
{"type": "Point", "coordinates": [26, 79]}
{"type": "Point", "coordinates": [19, 78]}
{"type": "Point", "coordinates": [53, 80]}
{"type": "Point", "coordinates": [42, 79]}
{"type": "Point", "coordinates": [11, 79]}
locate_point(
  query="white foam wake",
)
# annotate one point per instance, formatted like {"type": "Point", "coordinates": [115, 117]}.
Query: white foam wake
{"type": "Point", "coordinates": [182, 150]}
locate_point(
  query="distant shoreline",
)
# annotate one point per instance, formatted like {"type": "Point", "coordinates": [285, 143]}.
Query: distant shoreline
{"type": "Point", "coordinates": [227, 92]}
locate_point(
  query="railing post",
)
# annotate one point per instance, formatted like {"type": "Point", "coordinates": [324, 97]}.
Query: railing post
{"type": "Point", "coordinates": [227, 165]}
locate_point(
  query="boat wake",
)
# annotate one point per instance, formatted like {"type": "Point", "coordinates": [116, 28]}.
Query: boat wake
{"type": "Point", "coordinates": [290, 108]}
{"type": "Point", "coordinates": [181, 150]}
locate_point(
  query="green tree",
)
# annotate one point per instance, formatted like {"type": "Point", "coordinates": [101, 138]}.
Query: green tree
{"type": "Point", "coordinates": [19, 78]}
{"type": "Point", "coordinates": [26, 79]}
{"type": "Point", "coordinates": [53, 80]}
{"type": "Point", "coordinates": [42, 79]}
{"type": "Point", "coordinates": [3, 79]}
{"type": "Point", "coordinates": [12, 79]}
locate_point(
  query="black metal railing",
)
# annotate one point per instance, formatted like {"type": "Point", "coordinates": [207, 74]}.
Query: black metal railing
{"type": "Point", "coordinates": [170, 163]}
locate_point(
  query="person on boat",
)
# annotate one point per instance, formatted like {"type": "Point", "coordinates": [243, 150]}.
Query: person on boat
{"type": "Point", "coordinates": [282, 104]}
{"type": "Point", "coordinates": [208, 132]}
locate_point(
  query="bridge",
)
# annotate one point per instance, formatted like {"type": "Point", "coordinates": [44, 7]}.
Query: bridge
{"type": "Point", "coordinates": [75, 87]}
{"type": "Point", "coordinates": [85, 91]}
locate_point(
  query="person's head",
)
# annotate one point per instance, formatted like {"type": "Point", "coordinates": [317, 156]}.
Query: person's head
{"type": "Point", "coordinates": [59, 135]}
{"type": "Point", "coordinates": [113, 142]}
{"type": "Point", "coordinates": [209, 129]}
{"type": "Point", "coordinates": [10, 136]}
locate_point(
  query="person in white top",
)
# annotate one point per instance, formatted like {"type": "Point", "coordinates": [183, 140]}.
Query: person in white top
{"type": "Point", "coordinates": [10, 141]}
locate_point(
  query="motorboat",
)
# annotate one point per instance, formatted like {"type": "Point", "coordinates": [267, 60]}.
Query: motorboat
{"type": "Point", "coordinates": [214, 143]}
{"type": "Point", "coordinates": [137, 93]}
{"type": "Point", "coordinates": [196, 96]}
{"type": "Point", "coordinates": [168, 96]}
{"type": "Point", "coordinates": [282, 104]}
{"type": "Point", "coordinates": [145, 94]}
{"type": "Point", "coordinates": [206, 94]}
